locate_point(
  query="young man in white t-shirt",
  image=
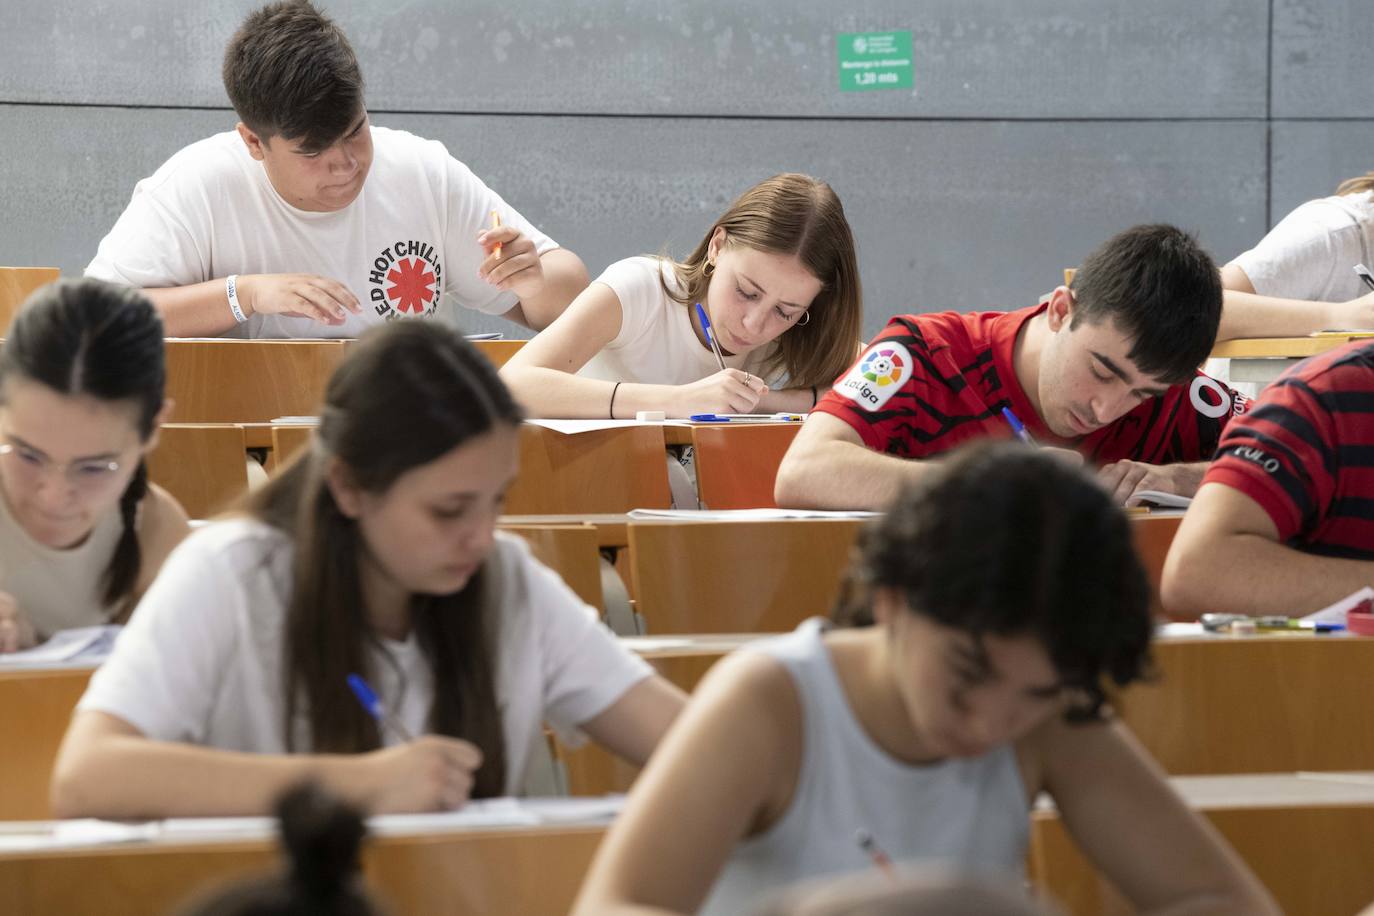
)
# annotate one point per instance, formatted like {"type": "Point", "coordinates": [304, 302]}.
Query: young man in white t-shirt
{"type": "Point", "coordinates": [308, 222]}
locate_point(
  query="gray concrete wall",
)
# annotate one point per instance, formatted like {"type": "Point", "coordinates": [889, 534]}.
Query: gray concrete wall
{"type": "Point", "coordinates": [1034, 128]}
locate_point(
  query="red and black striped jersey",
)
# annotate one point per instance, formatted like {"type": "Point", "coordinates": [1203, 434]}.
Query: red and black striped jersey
{"type": "Point", "coordinates": [1305, 453]}
{"type": "Point", "coordinates": [929, 383]}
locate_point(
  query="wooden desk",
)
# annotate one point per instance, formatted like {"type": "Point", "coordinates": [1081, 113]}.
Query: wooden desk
{"type": "Point", "coordinates": [1306, 839]}
{"type": "Point", "coordinates": [1264, 703]}
{"type": "Point", "coordinates": [525, 870]}
{"type": "Point", "coordinates": [609, 470]}
{"type": "Point", "coordinates": [35, 707]}
{"type": "Point", "coordinates": [612, 528]}
{"type": "Point", "coordinates": [256, 381]}
{"type": "Point", "coordinates": [738, 465]}
{"type": "Point", "coordinates": [1261, 360]}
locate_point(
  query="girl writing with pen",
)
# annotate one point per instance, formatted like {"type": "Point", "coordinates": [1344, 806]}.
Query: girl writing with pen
{"type": "Point", "coordinates": [989, 610]}
{"type": "Point", "coordinates": [777, 282]}
{"type": "Point", "coordinates": [375, 553]}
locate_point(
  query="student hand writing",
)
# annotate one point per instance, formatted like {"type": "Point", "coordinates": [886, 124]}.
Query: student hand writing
{"type": "Point", "coordinates": [15, 630]}
{"type": "Point", "coordinates": [728, 391]}
{"type": "Point", "coordinates": [297, 296]}
{"type": "Point", "coordinates": [1123, 479]}
{"type": "Point", "coordinates": [431, 773]}
{"type": "Point", "coordinates": [516, 267]}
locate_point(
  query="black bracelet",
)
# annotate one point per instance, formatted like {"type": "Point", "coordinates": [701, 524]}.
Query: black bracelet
{"type": "Point", "coordinates": [815, 397]}
{"type": "Point", "coordinates": [611, 412]}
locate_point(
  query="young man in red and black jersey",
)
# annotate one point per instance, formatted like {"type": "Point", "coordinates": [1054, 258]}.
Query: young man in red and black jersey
{"type": "Point", "coordinates": [1284, 520]}
{"type": "Point", "coordinates": [1105, 368]}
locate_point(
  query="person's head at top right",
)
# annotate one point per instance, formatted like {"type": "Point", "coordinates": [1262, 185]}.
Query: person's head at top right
{"type": "Point", "coordinates": [1140, 316]}
{"type": "Point", "coordinates": [294, 82]}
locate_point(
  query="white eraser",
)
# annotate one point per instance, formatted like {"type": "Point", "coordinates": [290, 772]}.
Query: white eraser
{"type": "Point", "coordinates": [650, 415]}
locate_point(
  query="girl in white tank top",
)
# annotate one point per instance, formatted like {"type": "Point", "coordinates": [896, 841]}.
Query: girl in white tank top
{"type": "Point", "coordinates": [82, 532]}
{"type": "Point", "coordinates": [988, 609]}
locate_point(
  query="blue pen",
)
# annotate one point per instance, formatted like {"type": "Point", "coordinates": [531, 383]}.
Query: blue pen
{"type": "Point", "coordinates": [1017, 427]}
{"type": "Point", "coordinates": [373, 704]}
{"type": "Point", "coordinates": [710, 338]}
{"type": "Point", "coordinates": [708, 418]}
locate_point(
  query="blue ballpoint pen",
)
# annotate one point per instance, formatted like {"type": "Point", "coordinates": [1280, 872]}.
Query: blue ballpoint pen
{"type": "Point", "coordinates": [1017, 427]}
{"type": "Point", "coordinates": [710, 338]}
{"type": "Point", "coordinates": [373, 704]}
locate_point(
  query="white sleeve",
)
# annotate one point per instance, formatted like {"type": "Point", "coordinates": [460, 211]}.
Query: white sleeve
{"type": "Point", "coordinates": [583, 667]}
{"type": "Point", "coordinates": [470, 203]}
{"type": "Point", "coordinates": [151, 245]}
{"type": "Point", "coordinates": [1300, 256]}
{"type": "Point", "coordinates": [164, 674]}
{"type": "Point", "coordinates": [636, 283]}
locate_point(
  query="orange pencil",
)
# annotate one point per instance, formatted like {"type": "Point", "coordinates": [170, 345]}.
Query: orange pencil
{"type": "Point", "coordinates": [496, 224]}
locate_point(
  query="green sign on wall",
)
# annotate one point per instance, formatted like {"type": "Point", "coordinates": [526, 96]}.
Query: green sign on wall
{"type": "Point", "coordinates": [874, 60]}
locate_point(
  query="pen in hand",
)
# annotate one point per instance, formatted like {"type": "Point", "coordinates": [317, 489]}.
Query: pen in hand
{"type": "Point", "coordinates": [496, 224]}
{"type": "Point", "coordinates": [1365, 275]}
{"type": "Point", "coordinates": [710, 338]}
{"type": "Point", "coordinates": [373, 704]}
{"type": "Point", "coordinates": [875, 852]}
{"type": "Point", "coordinates": [1017, 427]}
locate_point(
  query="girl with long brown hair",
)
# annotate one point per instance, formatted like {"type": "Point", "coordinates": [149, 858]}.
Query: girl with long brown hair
{"type": "Point", "coordinates": [375, 553]}
{"type": "Point", "coordinates": [778, 279]}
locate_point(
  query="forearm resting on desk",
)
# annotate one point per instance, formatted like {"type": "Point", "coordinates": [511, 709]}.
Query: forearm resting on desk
{"type": "Point", "coordinates": [1226, 558]}
{"type": "Point", "coordinates": [106, 769]}
{"type": "Point", "coordinates": [828, 468]}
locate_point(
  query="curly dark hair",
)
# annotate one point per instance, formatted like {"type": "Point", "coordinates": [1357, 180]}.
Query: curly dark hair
{"type": "Point", "coordinates": [1006, 540]}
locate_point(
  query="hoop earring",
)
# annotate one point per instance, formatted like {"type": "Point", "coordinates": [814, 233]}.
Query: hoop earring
{"type": "Point", "coordinates": [707, 267]}
{"type": "Point", "coordinates": [805, 318]}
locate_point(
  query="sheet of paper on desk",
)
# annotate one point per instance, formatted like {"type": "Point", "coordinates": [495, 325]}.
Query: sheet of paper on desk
{"type": "Point", "coordinates": [1335, 613]}
{"type": "Point", "coordinates": [79, 644]}
{"type": "Point", "coordinates": [489, 335]}
{"type": "Point", "coordinates": [42, 835]}
{"type": "Point", "coordinates": [573, 427]}
{"type": "Point", "coordinates": [295, 421]}
{"type": "Point", "coordinates": [503, 812]}
{"type": "Point", "coordinates": [745, 515]}
{"type": "Point", "coordinates": [1161, 499]}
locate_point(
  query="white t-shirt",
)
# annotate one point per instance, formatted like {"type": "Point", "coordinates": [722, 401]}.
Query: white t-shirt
{"type": "Point", "coordinates": [201, 659]}
{"type": "Point", "coordinates": [657, 344]}
{"type": "Point", "coordinates": [1311, 253]}
{"type": "Point", "coordinates": [406, 247]}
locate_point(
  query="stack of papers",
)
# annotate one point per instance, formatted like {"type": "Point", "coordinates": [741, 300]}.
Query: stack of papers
{"type": "Point", "coordinates": [746, 515]}
{"type": "Point", "coordinates": [82, 644]}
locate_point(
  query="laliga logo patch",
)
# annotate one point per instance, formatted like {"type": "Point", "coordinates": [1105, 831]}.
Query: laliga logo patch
{"type": "Point", "coordinates": [406, 281]}
{"type": "Point", "coordinates": [878, 376]}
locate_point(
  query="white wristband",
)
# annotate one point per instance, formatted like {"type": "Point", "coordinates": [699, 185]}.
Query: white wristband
{"type": "Point", "coordinates": [231, 290]}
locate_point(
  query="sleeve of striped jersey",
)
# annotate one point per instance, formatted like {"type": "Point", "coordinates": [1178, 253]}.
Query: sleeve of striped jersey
{"type": "Point", "coordinates": [1280, 455]}
{"type": "Point", "coordinates": [879, 427]}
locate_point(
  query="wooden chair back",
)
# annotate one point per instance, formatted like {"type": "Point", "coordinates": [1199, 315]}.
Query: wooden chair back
{"type": "Point", "coordinates": [737, 465]}
{"type": "Point", "coordinates": [203, 465]}
{"type": "Point", "coordinates": [249, 381]}
{"type": "Point", "coordinates": [737, 577]}
{"type": "Point", "coordinates": [1153, 534]}
{"type": "Point", "coordinates": [569, 550]}
{"type": "Point", "coordinates": [287, 441]}
{"type": "Point", "coordinates": [16, 284]}
{"type": "Point", "coordinates": [609, 470]}
{"type": "Point", "coordinates": [35, 707]}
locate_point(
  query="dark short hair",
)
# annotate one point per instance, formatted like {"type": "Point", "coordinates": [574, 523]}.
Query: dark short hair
{"type": "Point", "coordinates": [290, 72]}
{"type": "Point", "coordinates": [1006, 540]}
{"type": "Point", "coordinates": [1161, 289]}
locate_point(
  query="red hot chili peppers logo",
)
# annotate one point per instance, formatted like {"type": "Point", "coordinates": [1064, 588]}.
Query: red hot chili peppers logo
{"type": "Point", "coordinates": [406, 281]}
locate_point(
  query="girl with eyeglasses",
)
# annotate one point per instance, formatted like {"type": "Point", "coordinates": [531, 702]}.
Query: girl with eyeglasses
{"type": "Point", "coordinates": [778, 279]}
{"type": "Point", "coordinates": [82, 531]}
{"type": "Point", "coordinates": [374, 554]}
